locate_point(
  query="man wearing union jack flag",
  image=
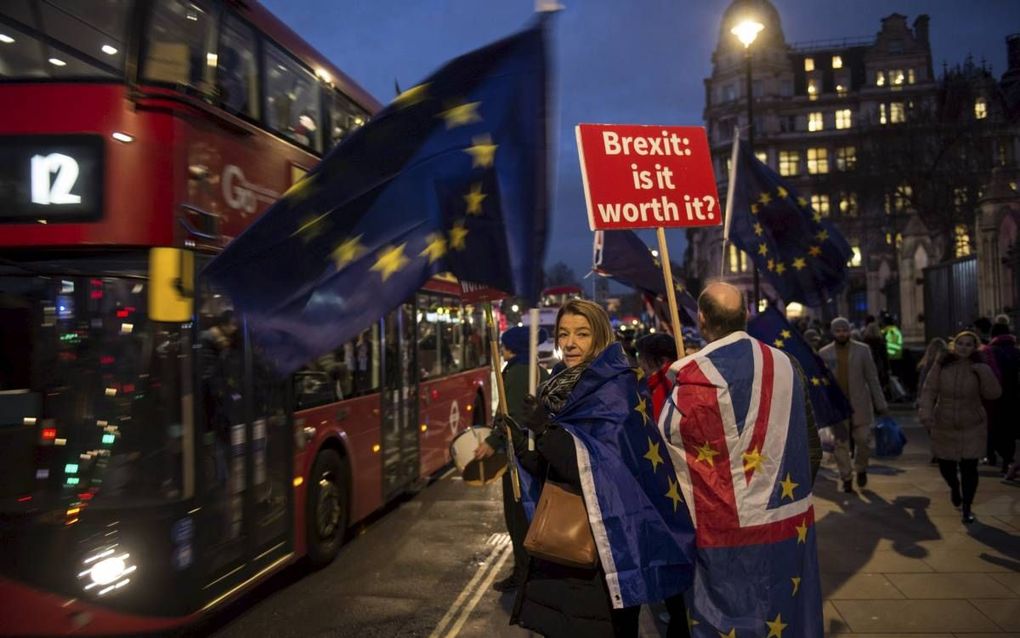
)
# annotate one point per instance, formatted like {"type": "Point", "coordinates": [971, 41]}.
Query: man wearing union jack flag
{"type": "Point", "coordinates": [741, 436]}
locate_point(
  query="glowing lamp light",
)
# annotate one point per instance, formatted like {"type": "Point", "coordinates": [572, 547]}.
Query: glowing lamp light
{"type": "Point", "coordinates": [515, 308]}
{"type": "Point", "coordinates": [6, 39]}
{"type": "Point", "coordinates": [747, 31]}
{"type": "Point", "coordinates": [57, 62]}
{"type": "Point", "coordinates": [108, 439]}
{"type": "Point", "coordinates": [376, 448]}
{"type": "Point", "coordinates": [122, 137]}
{"type": "Point", "coordinates": [49, 434]}
{"type": "Point", "coordinates": [299, 481]}
{"type": "Point", "coordinates": [108, 50]}
{"type": "Point", "coordinates": [71, 468]}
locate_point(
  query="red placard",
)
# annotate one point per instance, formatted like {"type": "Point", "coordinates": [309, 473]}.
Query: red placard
{"type": "Point", "coordinates": [639, 176]}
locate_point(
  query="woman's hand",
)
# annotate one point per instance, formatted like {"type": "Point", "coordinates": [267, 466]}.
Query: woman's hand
{"type": "Point", "coordinates": [535, 418]}
{"type": "Point", "coordinates": [484, 451]}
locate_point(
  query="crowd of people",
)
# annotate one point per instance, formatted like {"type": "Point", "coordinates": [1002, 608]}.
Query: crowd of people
{"type": "Point", "coordinates": [965, 390]}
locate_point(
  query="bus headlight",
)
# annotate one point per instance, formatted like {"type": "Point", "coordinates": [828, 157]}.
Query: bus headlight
{"type": "Point", "coordinates": [106, 570]}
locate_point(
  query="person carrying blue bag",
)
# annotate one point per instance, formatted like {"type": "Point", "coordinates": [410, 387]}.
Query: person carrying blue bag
{"type": "Point", "coordinates": [889, 438]}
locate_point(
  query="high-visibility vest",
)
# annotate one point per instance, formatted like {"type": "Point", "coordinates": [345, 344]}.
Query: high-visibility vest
{"type": "Point", "coordinates": [893, 342]}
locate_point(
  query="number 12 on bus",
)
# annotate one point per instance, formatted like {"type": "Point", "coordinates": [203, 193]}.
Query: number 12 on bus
{"type": "Point", "coordinates": [151, 467]}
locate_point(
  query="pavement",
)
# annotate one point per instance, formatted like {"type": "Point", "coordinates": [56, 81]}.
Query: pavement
{"type": "Point", "coordinates": [896, 561]}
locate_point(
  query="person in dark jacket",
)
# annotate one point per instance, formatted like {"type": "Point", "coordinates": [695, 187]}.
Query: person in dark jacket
{"type": "Point", "coordinates": [655, 354]}
{"type": "Point", "coordinates": [515, 381]}
{"type": "Point", "coordinates": [557, 600]}
{"type": "Point", "coordinates": [1003, 356]}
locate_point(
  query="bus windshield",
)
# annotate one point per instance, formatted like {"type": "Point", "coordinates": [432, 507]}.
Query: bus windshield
{"type": "Point", "coordinates": [90, 389]}
{"type": "Point", "coordinates": [63, 39]}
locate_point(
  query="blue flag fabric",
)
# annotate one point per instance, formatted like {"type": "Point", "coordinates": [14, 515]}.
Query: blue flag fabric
{"type": "Point", "coordinates": [736, 429]}
{"type": "Point", "coordinates": [451, 176]}
{"type": "Point", "coordinates": [623, 256]}
{"type": "Point", "coordinates": [638, 518]}
{"type": "Point", "coordinates": [802, 255]}
{"type": "Point", "coordinates": [829, 403]}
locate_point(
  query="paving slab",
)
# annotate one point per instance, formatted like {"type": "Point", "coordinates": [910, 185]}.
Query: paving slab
{"type": "Point", "coordinates": [1011, 580]}
{"type": "Point", "coordinates": [864, 586]}
{"type": "Point", "coordinates": [1005, 613]}
{"type": "Point", "coordinates": [948, 586]}
{"type": "Point", "coordinates": [914, 616]}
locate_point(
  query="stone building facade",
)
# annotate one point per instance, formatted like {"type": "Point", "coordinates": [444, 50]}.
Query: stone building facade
{"type": "Point", "coordinates": [840, 120]}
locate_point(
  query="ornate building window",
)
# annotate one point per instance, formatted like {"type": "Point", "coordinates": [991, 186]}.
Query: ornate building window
{"type": "Point", "coordinates": [961, 241]}
{"type": "Point", "coordinates": [815, 122]}
{"type": "Point", "coordinates": [817, 161]}
{"type": "Point", "coordinates": [837, 62]}
{"type": "Point", "coordinates": [844, 118]}
{"type": "Point", "coordinates": [855, 256]}
{"type": "Point", "coordinates": [848, 204]}
{"type": "Point", "coordinates": [812, 90]}
{"type": "Point", "coordinates": [980, 108]}
{"type": "Point", "coordinates": [789, 163]}
{"type": "Point", "coordinates": [892, 113]}
{"type": "Point", "coordinates": [820, 203]}
{"type": "Point", "coordinates": [898, 201]}
{"type": "Point", "coordinates": [737, 259]}
{"type": "Point", "coordinates": [809, 64]}
{"type": "Point", "coordinates": [846, 158]}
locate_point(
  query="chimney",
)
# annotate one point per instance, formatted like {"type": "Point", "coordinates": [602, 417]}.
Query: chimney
{"type": "Point", "coordinates": [1013, 52]}
{"type": "Point", "coordinates": [921, 29]}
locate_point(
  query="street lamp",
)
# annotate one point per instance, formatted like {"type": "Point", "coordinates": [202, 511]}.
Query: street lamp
{"type": "Point", "coordinates": [747, 32]}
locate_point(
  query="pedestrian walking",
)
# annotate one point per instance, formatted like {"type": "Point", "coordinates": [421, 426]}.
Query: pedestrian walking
{"type": "Point", "coordinates": [595, 437]}
{"type": "Point", "coordinates": [852, 364]}
{"type": "Point", "coordinates": [936, 349]}
{"type": "Point", "coordinates": [952, 411]}
{"type": "Point", "coordinates": [515, 381]}
{"type": "Point", "coordinates": [739, 427]}
{"type": "Point", "coordinates": [1003, 356]}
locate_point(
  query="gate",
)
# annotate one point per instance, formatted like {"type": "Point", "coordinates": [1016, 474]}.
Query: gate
{"type": "Point", "coordinates": [950, 297]}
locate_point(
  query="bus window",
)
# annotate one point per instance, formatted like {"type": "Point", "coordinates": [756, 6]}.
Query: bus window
{"type": "Point", "coordinates": [440, 338]}
{"type": "Point", "coordinates": [350, 370]}
{"type": "Point", "coordinates": [179, 44]}
{"type": "Point", "coordinates": [344, 117]}
{"type": "Point", "coordinates": [237, 68]}
{"type": "Point", "coordinates": [292, 99]}
{"type": "Point", "coordinates": [92, 36]}
{"type": "Point", "coordinates": [476, 348]}
{"type": "Point", "coordinates": [453, 337]}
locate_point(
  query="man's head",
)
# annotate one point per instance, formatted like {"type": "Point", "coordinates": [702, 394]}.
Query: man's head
{"type": "Point", "coordinates": [813, 338]}
{"type": "Point", "coordinates": [840, 328]}
{"type": "Point", "coordinates": [721, 311]}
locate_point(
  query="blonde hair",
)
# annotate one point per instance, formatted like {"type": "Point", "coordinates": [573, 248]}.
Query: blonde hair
{"type": "Point", "coordinates": [601, 331]}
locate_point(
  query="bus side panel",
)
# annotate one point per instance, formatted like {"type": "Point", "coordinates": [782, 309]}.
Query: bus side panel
{"type": "Point", "coordinates": [447, 408]}
{"type": "Point", "coordinates": [138, 190]}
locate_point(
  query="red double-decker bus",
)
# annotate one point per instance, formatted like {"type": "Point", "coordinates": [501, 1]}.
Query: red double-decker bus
{"type": "Point", "coordinates": [151, 467]}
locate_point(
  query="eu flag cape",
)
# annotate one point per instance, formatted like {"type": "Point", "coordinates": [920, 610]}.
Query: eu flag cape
{"type": "Point", "coordinates": [802, 254]}
{"type": "Point", "coordinates": [736, 429]}
{"type": "Point", "coordinates": [448, 177]}
{"type": "Point", "coordinates": [828, 402]}
{"type": "Point", "coordinates": [638, 517]}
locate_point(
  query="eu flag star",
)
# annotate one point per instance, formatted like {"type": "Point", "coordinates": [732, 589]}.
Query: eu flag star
{"type": "Point", "coordinates": [788, 486]}
{"type": "Point", "coordinates": [412, 95]}
{"type": "Point", "coordinates": [814, 251]}
{"type": "Point", "coordinates": [802, 202]}
{"type": "Point", "coordinates": [771, 264]}
{"type": "Point", "coordinates": [776, 627]}
{"type": "Point", "coordinates": [707, 453]}
{"type": "Point", "coordinates": [642, 409]}
{"type": "Point", "coordinates": [482, 151]}
{"type": "Point", "coordinates": [780, 267]}
{"type": "Point", "coordinates": [799, 263]}
{"type": "Point", "coordinates": [782, 192]}
{"type": "Point", "coordinates": [779, 343]}
{"type": "Point", "coordinates": [763, 249]}
{"type": "Point", "coordinates": [347, 251]}
{"type": "Point", "coordinates": [653, 455]}
{"type": "Point", "coordinates": [802, 532]}
{"type": "Point", "coordinates": [785, 334]}
{"type": "Point", "coordinates": [300, 189]}
{"type": "Point", "coordinates": [816, 216]}
{"type": "Point", "coordinates": [765, 198]}
{"type": "Point", "coordinates": [474, 199]}
{"type": "Point", "coordinates": [435, 247]}
{"type": "Point", "coordinates": [822, 235]}
{"type": "Point", "coordinates": [390, 261]}
{"type": "Point", "coordinates": [796, 584]}
{"type": "Point", "coordinates": [674, 493]}
{"type": "Point", "coordinates": [752, 460]}
{"type": "Point", "coordinates": [755, 208]}
{"type": "Point", "coordinates": [458, 236]}
{"type": "Point", "coordinates": [461, 115]}
{"type": "Point", "coordinates": [732, 634]}
{"type": "Point", "coordinates": [815, 381]}
{"type": "Point", "coordinates": [311, 227]}
{"type": "Point", "coordinates": [758, 230]}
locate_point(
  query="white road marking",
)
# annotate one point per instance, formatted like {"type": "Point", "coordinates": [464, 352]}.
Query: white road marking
{"type": "Point", "coordinates": [495, 559]}
{"type": "Point", "coordinates": [508, 551]}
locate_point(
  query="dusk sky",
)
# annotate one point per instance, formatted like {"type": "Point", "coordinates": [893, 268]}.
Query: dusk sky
{"type": "Point", "coordinates": [616, 61]}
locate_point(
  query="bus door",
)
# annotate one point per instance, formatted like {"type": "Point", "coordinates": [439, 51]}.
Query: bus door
{"type": "Point", "coordinates": [245, 454]}
{"type": "Point", "coordinates": [400, 453]}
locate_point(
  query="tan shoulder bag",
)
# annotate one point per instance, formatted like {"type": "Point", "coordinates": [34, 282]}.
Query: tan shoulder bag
{"type": "Point", "coordinates": [559, 531]}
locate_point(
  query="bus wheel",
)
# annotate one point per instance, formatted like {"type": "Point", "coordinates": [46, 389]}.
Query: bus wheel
{"type": "Point", "coordinates": [326, 507]}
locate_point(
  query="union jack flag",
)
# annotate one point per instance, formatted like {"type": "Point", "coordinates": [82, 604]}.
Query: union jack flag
{"type": "Point", "coordinates": [736, 429]}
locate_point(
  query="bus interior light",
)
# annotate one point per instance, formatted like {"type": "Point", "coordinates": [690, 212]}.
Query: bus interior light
{"type": "Point", "coordinates": [108, 50]}
{"type": "Point", "coordinates": [122, 137]}
{"type": "Point", "coordinates": [57, 62]}
{"type": "Point", "coordinates": [6, 39]}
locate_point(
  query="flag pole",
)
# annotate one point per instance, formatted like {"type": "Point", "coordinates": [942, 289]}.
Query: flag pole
{"type": "Point", "coordinates": [667, 275]}
{"type": "Point", "coordinates": [497, 368]}
{"type": "Point", "coordinates": [730, 187]}
{"type": "Point", "coordinates": [532, 363]}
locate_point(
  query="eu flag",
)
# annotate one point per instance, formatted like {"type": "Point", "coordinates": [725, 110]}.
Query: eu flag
{"type": "Point", "coordinates": [802, 255]}
{"type": "Point", "coordinates": [621, 255]}
{"type": "Point", "coordinates": [638, 517]}
{"type": "Point", "coordinates": [451, 176]}
{"type": "Point", "coordinates": [827, 400]}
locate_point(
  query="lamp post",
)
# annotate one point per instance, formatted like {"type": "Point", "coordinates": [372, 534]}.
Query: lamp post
{"type": "Point", "coordinates": [747, 31]}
